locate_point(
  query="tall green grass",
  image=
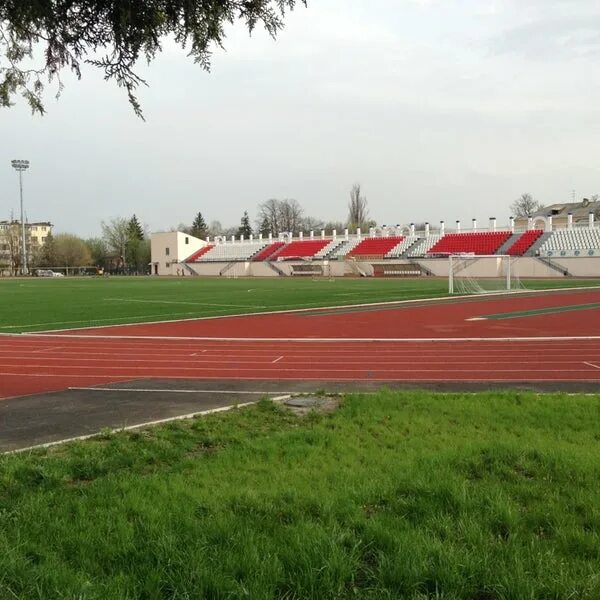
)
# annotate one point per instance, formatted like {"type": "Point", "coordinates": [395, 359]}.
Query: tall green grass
{"type": "Point", "coordinates": [397, 495]}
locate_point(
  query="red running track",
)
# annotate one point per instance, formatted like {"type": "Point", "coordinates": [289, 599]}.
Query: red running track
{"type": "Point", "coordinates": [434, 320]}
{"type": "Point", "coordinates": [42, 363]}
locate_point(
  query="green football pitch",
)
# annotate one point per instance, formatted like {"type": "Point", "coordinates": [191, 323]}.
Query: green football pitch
{"type": "Point", "coordinates": [45, 304]}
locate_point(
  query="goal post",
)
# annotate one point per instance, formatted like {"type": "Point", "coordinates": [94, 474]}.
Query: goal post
{"type": "Point", "coordinates": [482, 274]}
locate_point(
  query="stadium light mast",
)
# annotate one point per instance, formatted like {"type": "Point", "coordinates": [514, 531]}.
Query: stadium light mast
{"type": "Point", "coordinates": [20, 166]}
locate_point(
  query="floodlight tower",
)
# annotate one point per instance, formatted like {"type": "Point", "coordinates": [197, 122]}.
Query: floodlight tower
{"type": "Point", "coordinates": [20, 166]}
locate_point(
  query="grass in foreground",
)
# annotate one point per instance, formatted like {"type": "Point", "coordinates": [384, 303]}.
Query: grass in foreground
{"type": "Point", "coordinates": [33, 304]}
{"type": "Point", "coordinates": [397, 495]}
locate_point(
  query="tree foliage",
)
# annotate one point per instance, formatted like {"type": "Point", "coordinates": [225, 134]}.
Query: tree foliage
{"type": "Point", "coordinates": [278, 216]}
{"type": "Point", "coordinates": [245, 228]}
{"type": "Point", "coordinates": [525, 205]}
{"type": "Point", "coordinates": [113, 35]}
{"type": "Point", "coordinates": [199, 228]}
{"type": "Point", "coordinates": [116, 235]}
{"type": "Point", "coordinates": [135, 229]}
{"type": "Point", "coordinates": [71, 251]}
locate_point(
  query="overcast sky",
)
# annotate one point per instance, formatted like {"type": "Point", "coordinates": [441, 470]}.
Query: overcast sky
{"type": "Point", "coordinates": [441, 109]}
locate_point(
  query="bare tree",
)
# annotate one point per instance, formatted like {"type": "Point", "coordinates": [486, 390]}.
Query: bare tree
{"type": "Point", "coordinates": [268, 212]}
{"type": "Point", "coordinates": [357, 208]}
{"type": "Point", "coordinates": [290, 215]}
{"type": "Point", "coordinates": [116, 235]}
{"type": "Point", "coordinates": [525, 205]}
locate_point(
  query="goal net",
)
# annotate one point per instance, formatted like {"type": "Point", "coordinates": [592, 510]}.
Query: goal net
{"type": "Point", "coordinates": [477, 274]}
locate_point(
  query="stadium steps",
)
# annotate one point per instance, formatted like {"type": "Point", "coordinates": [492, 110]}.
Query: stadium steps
{"type": "Point", "coordinates": [227, 267]}
{"type": "Point", "coordinates": [268, 252]}
{"type": "Point", "coordinates": [199, 253]}
{"type": "Point", "coordinates": [275, 268]}
{"type": "Point", "coordinates": [410, 248]}
{"type": "Point", "coordinates": [422, 246]}
{"type": "Point", "coordinates": [188, 269]}
{"type": "Point", "coordinates": [559, 268]}
{"type": "Point", "coordinates": [329, 249]}
{"type": "Point", "coordinates": [344, 248]}
{"type": "Point", "coordinates": [508, 243]}
{"type": "Point", "coordinates": [538, 243]}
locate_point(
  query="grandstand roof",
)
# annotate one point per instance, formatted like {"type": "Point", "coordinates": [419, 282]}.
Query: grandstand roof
{"type": "Point", "coordinates": [580, 210]}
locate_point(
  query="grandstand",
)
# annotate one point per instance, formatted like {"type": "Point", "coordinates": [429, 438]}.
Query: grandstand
{"type": "Point", "coordinates": [422, 252]}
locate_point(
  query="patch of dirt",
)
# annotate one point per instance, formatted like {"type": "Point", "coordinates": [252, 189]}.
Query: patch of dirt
{"type": "Point", "coordinates": [305, 404]}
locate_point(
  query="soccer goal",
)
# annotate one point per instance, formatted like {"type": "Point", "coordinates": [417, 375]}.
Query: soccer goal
{"type": "Point", "coordinates": [483, 274]}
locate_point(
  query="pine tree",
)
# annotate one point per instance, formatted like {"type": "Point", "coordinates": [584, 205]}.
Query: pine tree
{"type": "Point", "coordinates": [245, 227]}
{"type": "Point", "coordinates": [135, 229]}
{"type": "Point", "coordinates": [265, 227]}
{"type": "Point", "coordinates": [48, 252]}
{"type": "Point", "coordinates": [199, 227]}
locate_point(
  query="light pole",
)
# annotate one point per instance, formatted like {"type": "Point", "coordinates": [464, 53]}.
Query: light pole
{"type": "Point", "coordinates": [20, 166]}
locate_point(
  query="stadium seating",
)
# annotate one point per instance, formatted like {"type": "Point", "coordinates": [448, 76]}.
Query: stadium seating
{"type": "Point", "coordinates": [423, 246]}
{"type": "Point", "coordinates": [301, 249]}
{"type": "Point", "coordinates": [268, 252]}
{"type": "Point", "coordinates": [474, 242]}
{"type": "Point", "coordinates": [196, 256]}
{"type": "Point", "coordinates": [345, 247]}
{"type": "Point", "coordinates": [572, 242]}
{"type": "Point", "coordinates": [232, 252]}
{"type": "Point", "coordinates": [375, 246]}
{"type": "Point", "coordinates": [524, 242]}
{"type": "Point", "coordinates": [330, 249]}
{"type": "Point", "coordinates": [399, 249]}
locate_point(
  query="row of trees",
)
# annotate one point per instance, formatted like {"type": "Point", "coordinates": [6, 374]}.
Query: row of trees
{"type": "Point", "coordinates": [123, 247]}
{"type": "Point", "coordinates": [275, 216]}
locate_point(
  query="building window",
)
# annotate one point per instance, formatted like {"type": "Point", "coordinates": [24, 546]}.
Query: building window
{"type": "Point", "coordinates": [187, 240]}
{"type": "Point", "coordinates": [167, 252]}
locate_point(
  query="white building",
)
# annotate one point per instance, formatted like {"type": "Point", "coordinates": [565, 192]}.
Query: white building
{"type": "Point", "coordinates": [169, 249]}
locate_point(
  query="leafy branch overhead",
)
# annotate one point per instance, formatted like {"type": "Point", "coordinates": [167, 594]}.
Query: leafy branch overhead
{"type": "Point", "coordinates": [113, 35]}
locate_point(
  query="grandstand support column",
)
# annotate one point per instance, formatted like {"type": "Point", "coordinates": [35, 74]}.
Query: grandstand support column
{"type": "Point", "coordinates": [312, 235]}
{"type": "Point", "coordinates": [301, 235]}
{"type": "Point", "coordinates": [492, 223]}
{"type": "Point", "coordinates": [358, 231]}
{"type": "Point", "coordinates": [426, 229]}
{"type": "Point", "coordinates": [511, 224]}
{"type": "Point", "coordinates": [345, 234]}
{"type": "Point", "coordinates": [591, 220]}
{"type": "Point", "coordinates": [322, 234]}
{"type": "Point", "coordinates": [442, 227]}
{"type": "Point", "coordinates": [260, 237]}
{"type": "Point", "coordinates": [529, 223]}
{"type": "Point", "coordinates": [270, 237]}
{"type": "Point", "coordinates": [457, 226]}
{"type": "Point", "coordinates": [549, 223]}
{"type": "Point", "coordinates": [570, 220]}
{"type": "Point", "coordinates": [474, 224]}
{"type": "Point", "coordinates": [412, 229]}
{"type": "Point", "coordinates": [334, 234]}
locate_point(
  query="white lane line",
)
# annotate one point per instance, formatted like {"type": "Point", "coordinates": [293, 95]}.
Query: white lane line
{"type": "Point", "coordinates": [309, 339]}
{"type": "Point", "coordinates": [476, 319]}
{"type": "Point", "coordinates": [171, 391]}
{"type": "Point", "coordinates": [277, 360]}
{"type": "Point", "coordinates": [591, 365]}
{"type": "Point", "coordinates": [199, 413]}
{"type": "Point", "coordinates": [51, 349]}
